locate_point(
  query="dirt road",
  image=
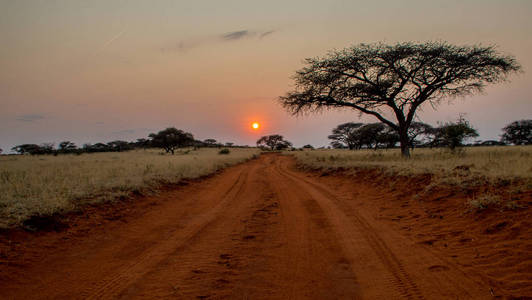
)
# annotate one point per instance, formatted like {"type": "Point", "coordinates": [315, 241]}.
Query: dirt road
{"type": "Point", "coordinates": [260, 230]}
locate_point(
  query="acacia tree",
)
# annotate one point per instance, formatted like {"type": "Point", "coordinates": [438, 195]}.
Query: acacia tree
{"type": "Point", "coordinates": [390, 82]}
{"type": "Point", "coordinates": [518, 133]}
{"type": "Point", "coordinates": [274, 142]}
{"type": "Point", "coordinates": [417, 130]}
{"type": "Point", "coordinates": [345, 135]}
{"type": "Point", "coordinates": [67, 146]}
{"type": "Point", "coordinates": [210, 142]}
{"type": "Point", "coordinates": [452, 134]}
{"type": "Point", "coordinates": [171, 138]}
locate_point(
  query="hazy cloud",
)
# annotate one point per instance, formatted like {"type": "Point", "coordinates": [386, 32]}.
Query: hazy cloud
{"type": "Point", "coordinates": [264, 34]}
{"type": "Point", "coordinates": [29, 118]}
{"type": "Point", "coordinates": [237, 35]}
{"type": "Point", "coordinates": [186, 45]}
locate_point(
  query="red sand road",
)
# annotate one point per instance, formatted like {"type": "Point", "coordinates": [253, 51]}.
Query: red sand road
{"type": "Point", "coordinates": [259, 230]}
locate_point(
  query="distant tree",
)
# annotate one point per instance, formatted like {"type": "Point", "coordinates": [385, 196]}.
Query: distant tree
{"type": "Point", "coordinates": [100, 147]}
{"type": "Point", "coordinates": [87, 147]}
{"type": "Point", "coordinates": [386, 138]}
{"type": "Point", "coordinates": [489, 143]}
{"type": "Point", "coordinates": [518, 133]}
{"type": "Point", "coordinates": [210, 142]}
{"type": "Point", "coordinates": [338, 145]}
{"type": "Point", "coordinates": [1, 150]}
{"type": "Point", "coordinates": [346, 135]}
{"type": "Point", "coordinates": [274, 142]}
{"type": "Point", "coordinates": [67, 146]}
{"type": "Point", "coordinates": [308, 146]}
{"type": "Point", "coordinates": [229, 144]}
{"type": "Point", "coordinates": [34, 149]}
{"type": "Point", "coordinates": [453, 134]}
{"type": "Point", "coordinates": [368, 134]}
{"type": "Point", "coordinates": [395, 80]}
{"type": "Point", "coordinates": [419, 133]}
{"type": "Point", "coordinates": [142, 143]}
{"type": "Point", "coordinates": [119, 146]}
{"type": "Point", "coordinates": [47, 148]}
{"type": "Point", "coordinates": [171, 138]}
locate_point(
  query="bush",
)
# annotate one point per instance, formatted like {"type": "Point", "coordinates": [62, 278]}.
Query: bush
{"type": "Point", "coordinates": [224, 151]}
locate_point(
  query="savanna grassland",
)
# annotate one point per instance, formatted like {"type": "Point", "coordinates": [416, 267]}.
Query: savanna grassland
{"type": "Point", "coordinates": [472, 165]}
{"type": "Point", "coordinates": [46, 184]}
{"type": "Point", "coordinates": [496, 174]}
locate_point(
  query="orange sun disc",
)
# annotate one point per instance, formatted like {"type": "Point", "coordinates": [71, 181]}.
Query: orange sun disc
{"type": "Point", "coordinates": [255, 125]}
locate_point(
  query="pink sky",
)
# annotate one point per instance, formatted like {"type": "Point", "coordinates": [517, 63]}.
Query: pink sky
{"type": "Point", "coordinates": [91, 71]}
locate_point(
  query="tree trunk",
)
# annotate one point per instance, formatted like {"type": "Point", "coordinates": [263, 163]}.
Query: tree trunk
{"type": "Point", "coordinates": [403, 139]}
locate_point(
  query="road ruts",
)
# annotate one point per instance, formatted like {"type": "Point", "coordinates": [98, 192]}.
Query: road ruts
{"type": "Point", "coordinates": [259, 230]}
{"type": "Point", "coordinates": [381, 269]}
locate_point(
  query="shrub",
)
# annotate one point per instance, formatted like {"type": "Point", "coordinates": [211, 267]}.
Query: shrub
{"type": "Point", "coordinates": [224, 151]}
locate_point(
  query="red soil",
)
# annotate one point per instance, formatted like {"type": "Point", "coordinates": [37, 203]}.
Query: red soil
{"type": "Point", "coordinates": [264, 229]}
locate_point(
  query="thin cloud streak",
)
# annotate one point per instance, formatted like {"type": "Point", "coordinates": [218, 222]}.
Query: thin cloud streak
{"type": "Point", "coordinates": [29, 118]}
{"type": "Point", "coordinates": [237, 35]}
{"type": "Point", "coordinates": [228, 37]}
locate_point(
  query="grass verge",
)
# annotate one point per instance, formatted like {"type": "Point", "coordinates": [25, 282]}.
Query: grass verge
{"type": "Point", "coordinates": [47, 185]}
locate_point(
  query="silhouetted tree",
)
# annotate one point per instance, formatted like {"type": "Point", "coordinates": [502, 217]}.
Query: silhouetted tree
{"type": "Point", "coordinates": [26, 149]}
{"type": "Point", "coordinates": [119, 146]}
{"type": "Point", "coordinates": [308, 146]}
{"type": "Point", "coordinates": [274, 142]}
{"type": "Point", "coordinates": [386, 137]}
{"type": "Point", "coordinates": [67, 147]}
{"type": "Point", "coordinates": [420, 133]}
{"type": "Point", "coordinates": [338, 145]}
{"type": "Point", "coordinates": [47, 148]}
{"type": "Point", "coordinates": [346, 134]}
{"type": "Point", "coordinates": [1, 150]}
{"type": "Point", "coordinates": [171, 139]}
{"type": "Point", "coordinates": [453, 134]}
{"type": "Point", "coordinates": [34, 149]}
{"type": "Point", "coordinates": [210, 142]}
{"type": "Point", "coordinates": [368, 134]}
{"type": "Point", "coordinates": [518, 133]}
{"type": "Point", "coordinates": [397, 79]}
{"type": "Point", "coordinates": [142, 143]}
{"type": "Point", "coordinates": [229, 144]}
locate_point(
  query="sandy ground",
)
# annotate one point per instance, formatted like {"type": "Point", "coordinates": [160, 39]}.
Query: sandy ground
{"type": "Point", "coordinates": [265, 230]}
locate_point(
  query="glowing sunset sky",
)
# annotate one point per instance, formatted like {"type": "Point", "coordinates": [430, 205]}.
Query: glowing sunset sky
{"type": "Point", "coordinates": [91, 71]}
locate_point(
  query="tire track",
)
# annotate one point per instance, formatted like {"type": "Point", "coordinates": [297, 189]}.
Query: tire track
{"type": "Point", "coordinates": [398, 277]}
{"type": "Point", "coordinates": [122, 278]}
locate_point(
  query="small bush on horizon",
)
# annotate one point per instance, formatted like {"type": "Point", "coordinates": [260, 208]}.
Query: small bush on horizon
{"type": "Point", "coordinates": [224, 151]}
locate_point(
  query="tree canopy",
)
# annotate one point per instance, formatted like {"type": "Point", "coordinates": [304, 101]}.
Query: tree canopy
{"type": "Point", "coordinates": [390, 82]}
{"type": "Point", "coordinates": [518, 133]}
{"type": "Point", "coordinates": [357, 135]}
{"type": "Point", "coordinates": [346, 135]}
{"type": "Point", "coordinates": [171, 138]}
{"type": "Point", "coordinates": [274, 142]}
{"type": "Point", "coordinates": [453, 134]}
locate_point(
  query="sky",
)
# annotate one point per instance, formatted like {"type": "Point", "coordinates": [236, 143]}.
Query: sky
{"type": "Point", "coordinates": [91, 71]}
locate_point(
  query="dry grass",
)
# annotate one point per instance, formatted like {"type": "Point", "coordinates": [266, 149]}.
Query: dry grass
{"type": "Point", "coordinates": [43, 185]}
{"type": "Point", "coordinates": [476, 165]}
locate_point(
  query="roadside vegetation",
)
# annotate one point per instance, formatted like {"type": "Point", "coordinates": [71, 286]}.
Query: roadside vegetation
{"type": "Point", "coordinates": [469, 166]}
{"type": "Point", "coordinates": [45, 184]}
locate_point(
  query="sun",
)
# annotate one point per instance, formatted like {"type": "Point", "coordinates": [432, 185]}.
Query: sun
{"type": "Point", "coordinates": [255, 125]}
